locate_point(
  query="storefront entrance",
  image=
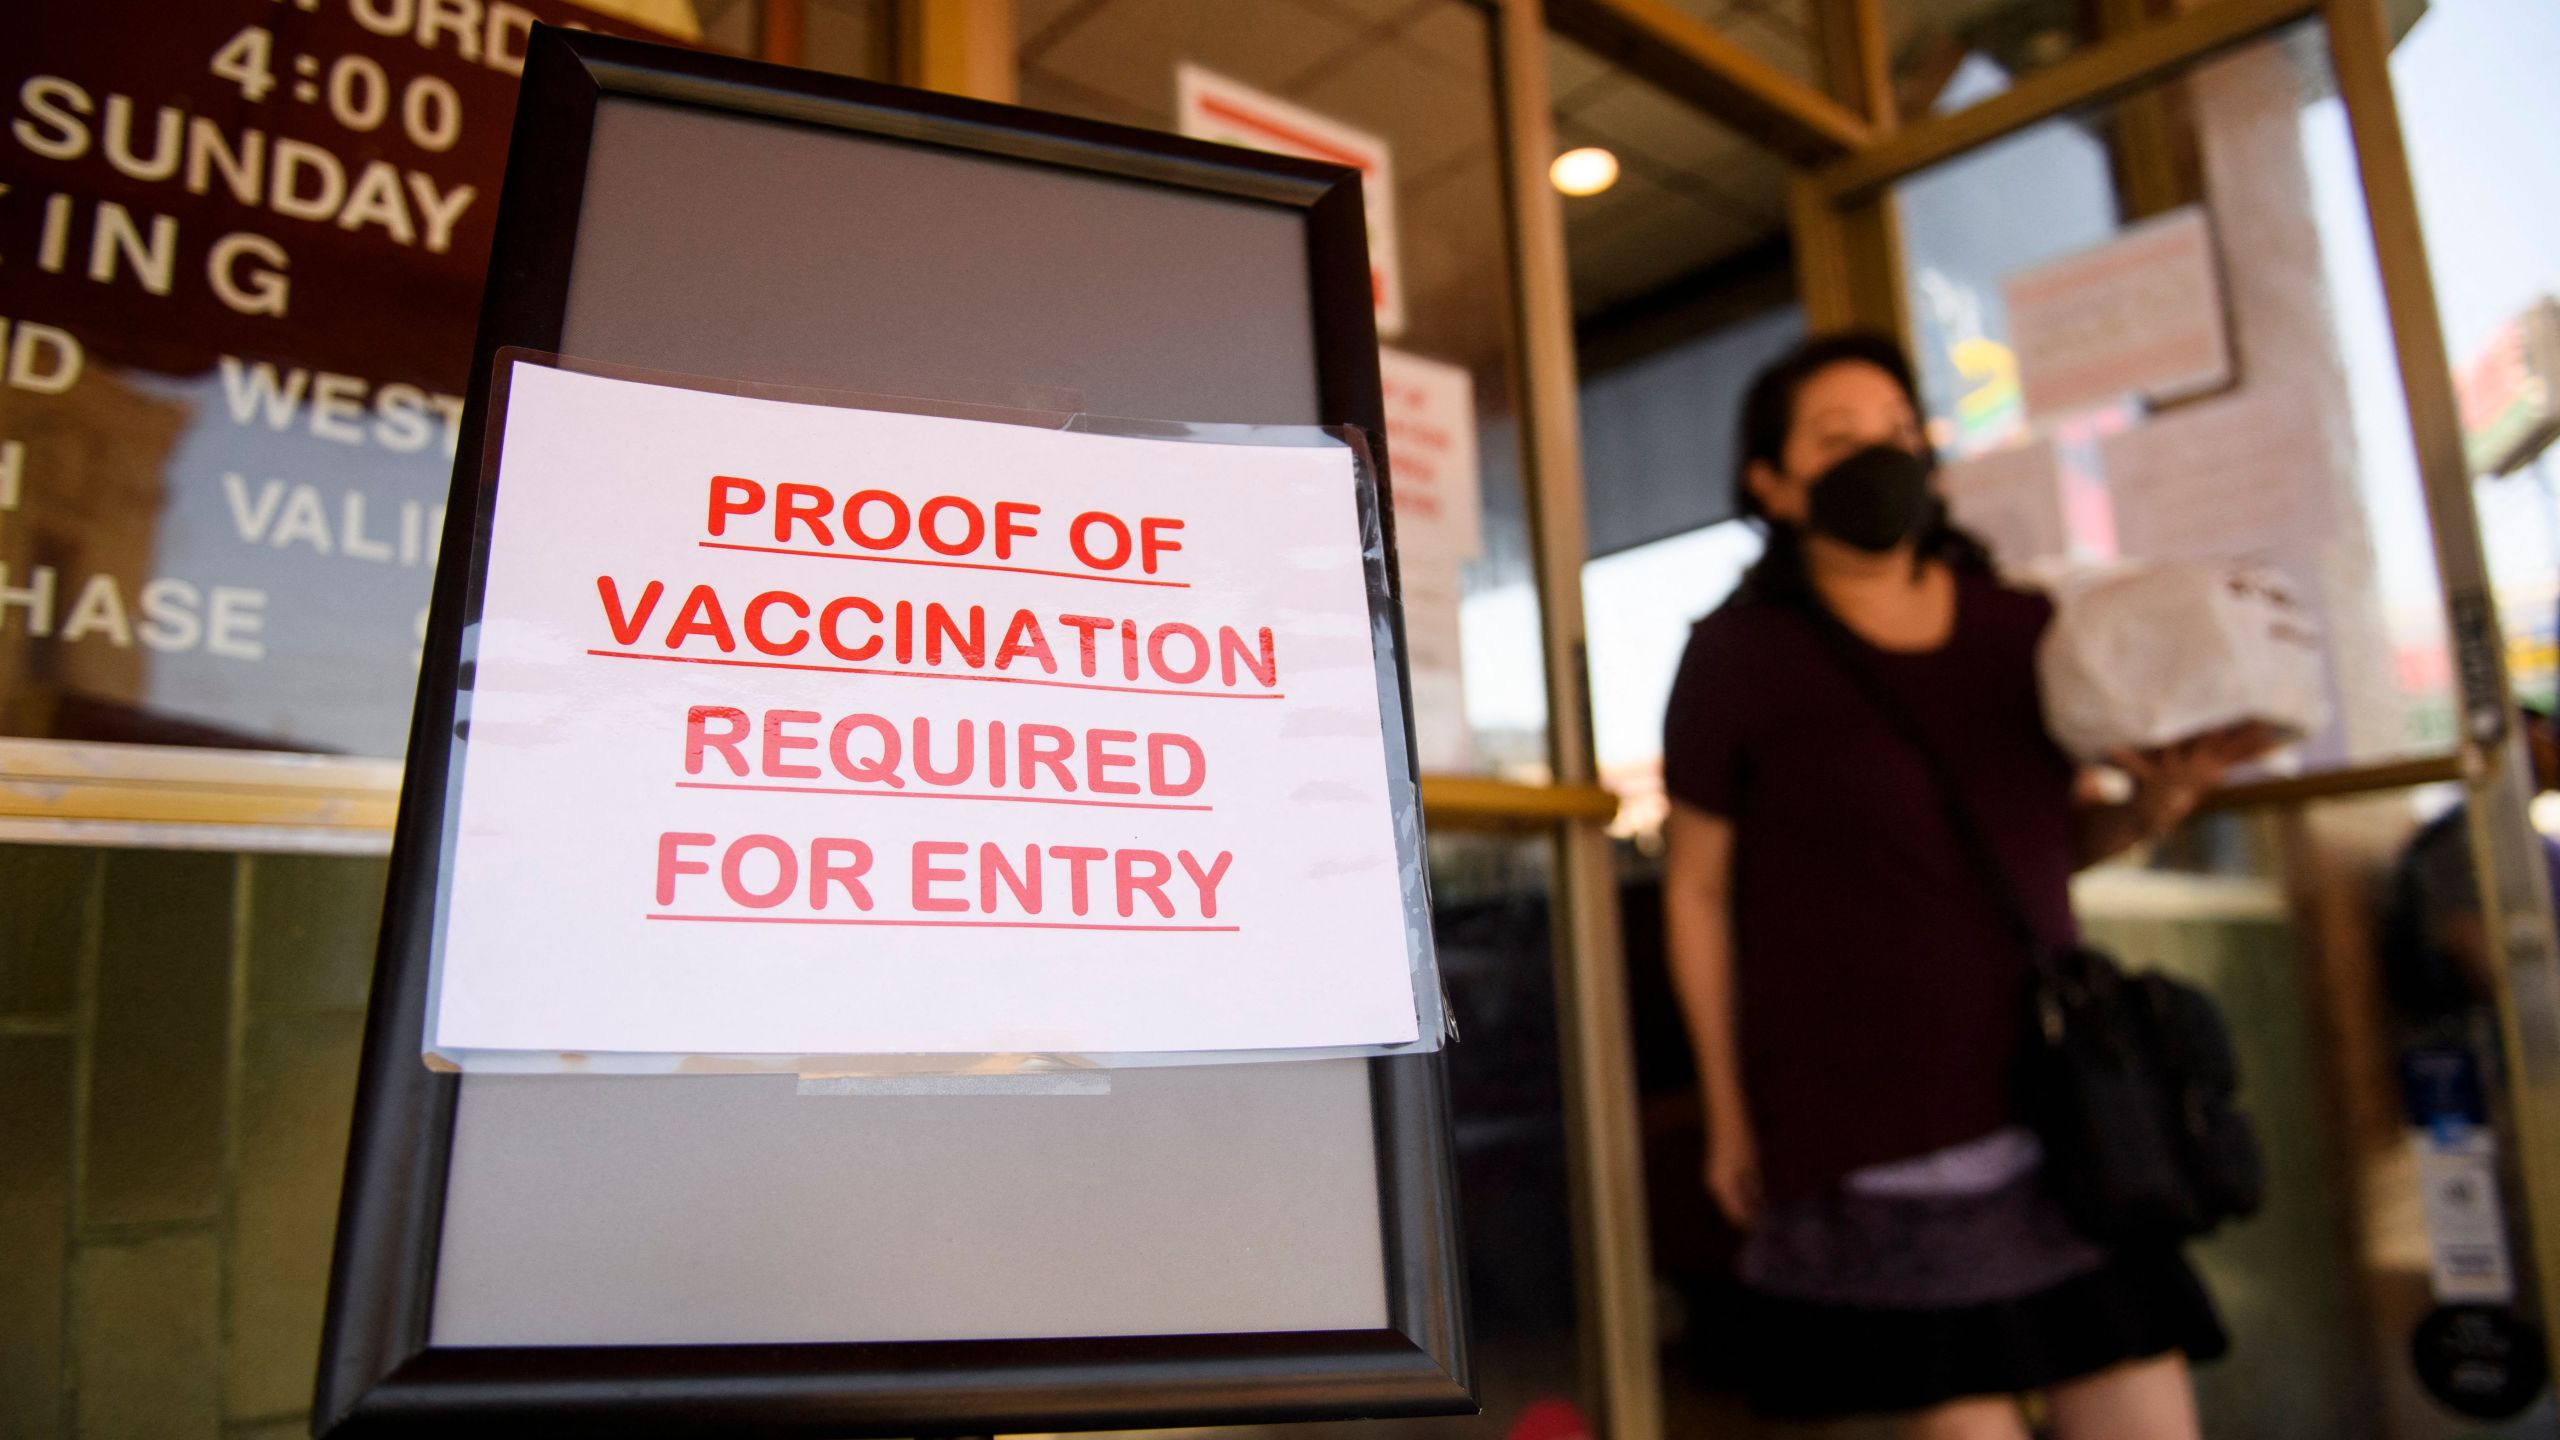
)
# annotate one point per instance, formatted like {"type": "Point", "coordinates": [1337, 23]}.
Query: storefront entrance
{"type": "Point", "coordinates": [190, 854]}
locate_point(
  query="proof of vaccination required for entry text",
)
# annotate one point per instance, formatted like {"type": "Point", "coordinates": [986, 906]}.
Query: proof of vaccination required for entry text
{"type": "Point", "coordinates": [796, 729]}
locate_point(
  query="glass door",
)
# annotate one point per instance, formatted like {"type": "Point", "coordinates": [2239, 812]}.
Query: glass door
{"type": "Point", "coordinates": [2167, 294]}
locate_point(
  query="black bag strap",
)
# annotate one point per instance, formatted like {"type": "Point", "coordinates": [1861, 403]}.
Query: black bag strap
{"type": "Point", "coordinates": [1851, 654]}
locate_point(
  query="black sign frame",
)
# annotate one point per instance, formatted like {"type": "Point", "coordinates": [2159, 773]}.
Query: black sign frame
{"type": "Point", "coordinates": [379, 1372]}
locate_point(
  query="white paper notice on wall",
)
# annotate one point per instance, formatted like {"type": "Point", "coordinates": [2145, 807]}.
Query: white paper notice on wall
{"type": "Point", "coordinates": [802, 730]}
{"type": "Point", "coordinates": [2140, 315]}
{"type": "Point", "coordinates": [1434, 594]}
{"type": "Point", "coordinates": [2230, 476]}
{"type": "Point", "coordinates": [1431, 456]}
{"type": "Point", "coordinates": [1437, 484]}
{"type": "Point", "coordinates": [1209, 106]}
{"type": "Point", "coordinates": [2012, 500]}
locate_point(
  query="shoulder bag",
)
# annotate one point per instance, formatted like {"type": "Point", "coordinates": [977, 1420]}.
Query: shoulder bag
{"type": "Point", "coordinates": [2128, 1079]}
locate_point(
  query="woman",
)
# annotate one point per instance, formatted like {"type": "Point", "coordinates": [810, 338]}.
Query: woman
{"type": "Point", "coordinates": [1852, 990]}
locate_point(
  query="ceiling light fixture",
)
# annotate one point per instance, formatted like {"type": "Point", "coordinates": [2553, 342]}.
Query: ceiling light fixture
{"type": "Point", "coordinates": [1584, 171]}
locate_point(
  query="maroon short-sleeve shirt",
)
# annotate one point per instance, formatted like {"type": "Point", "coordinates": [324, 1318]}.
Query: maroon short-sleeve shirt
{"type": "Point", "coordinates": [1878, 994]}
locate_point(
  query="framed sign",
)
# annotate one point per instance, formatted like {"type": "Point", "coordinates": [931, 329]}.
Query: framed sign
{"type": "Point", "coordinates": [868, 1253]}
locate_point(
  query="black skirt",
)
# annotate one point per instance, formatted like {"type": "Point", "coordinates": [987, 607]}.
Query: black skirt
{"type": "Point", "coordinates": [1807, 1361]}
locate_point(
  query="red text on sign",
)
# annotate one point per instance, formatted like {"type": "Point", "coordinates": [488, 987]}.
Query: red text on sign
{"type": "Point", "coordinates": [784, 624]}
{"type": "Point", "coordinates": [876, 750]}
{"type": "Point", "coordinates": [1179, 884]}
{"type": "Point", "coordinates": [944, 877]}
{"type": "Point", "coordinates": [952, 526]}
{"type": "Point", "coordinates": [762, 872]}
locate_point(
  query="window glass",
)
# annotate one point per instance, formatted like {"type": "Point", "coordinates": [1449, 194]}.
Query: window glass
{"type": "Point", "coordinates": [1405, 92]}
{"type": "Point", "coordinates": [1640, 604]}
{"type": "Point", "coordinates": [1682, 288]}
{"type": "Point", "coordinates": [242, 272]}
{"type": "Point", "coordinates": [1492, 913]}
{"type": "Point", "coordinates": [2243, 407]}
{"type": "Point", "coordinates": [2471, 80]}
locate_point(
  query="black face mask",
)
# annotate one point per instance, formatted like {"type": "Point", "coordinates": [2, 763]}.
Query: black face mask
{"type": "Point", "coordinates": [1874, 500]}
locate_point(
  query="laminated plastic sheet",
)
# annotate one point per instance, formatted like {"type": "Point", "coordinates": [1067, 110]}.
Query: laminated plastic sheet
{"type": "Point", "coordinates": [569, 824]}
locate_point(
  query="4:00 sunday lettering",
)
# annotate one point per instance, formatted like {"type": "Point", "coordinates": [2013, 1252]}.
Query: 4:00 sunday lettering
{"type": "Point", "coordinates": [855, 630]}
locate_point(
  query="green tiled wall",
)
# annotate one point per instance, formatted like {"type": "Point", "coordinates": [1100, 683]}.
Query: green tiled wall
{"type": "Point", "coordinates": [178, 1041]}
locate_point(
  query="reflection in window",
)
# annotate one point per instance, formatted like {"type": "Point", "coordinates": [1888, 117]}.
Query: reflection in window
{"type": "Point", "coordinates": [1639, 605]}
{"type": "Point", "coordinates": [2289, 449]}
{"type": "Point", "coordinates": [1966, 225]}
{"type": "Point", "coordinates": [1659, 446]}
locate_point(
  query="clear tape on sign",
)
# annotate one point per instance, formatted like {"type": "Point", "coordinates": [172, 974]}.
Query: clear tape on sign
{"type": "Point", "coordinates": [855, 1072]}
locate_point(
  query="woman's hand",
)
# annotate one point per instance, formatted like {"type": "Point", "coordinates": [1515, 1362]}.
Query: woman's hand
{"type": "Point", "coordinates": [2169, 782]}
{"type": "Point", "coordinates": [1733, 1169]}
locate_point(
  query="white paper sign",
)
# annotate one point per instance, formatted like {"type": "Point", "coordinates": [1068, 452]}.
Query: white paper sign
{"type": "Point", "coordinates": [799, 730]}
{"type": "Point", "coordinates": [1431, 456]}
{"type": "Point", "coordinates": [1435, 661]}
{"type": "Point", "coordinates": [1437, 484]}
{"type": "Point", "coordinates": [2138, 315]}
{"type": "Point", "coordinates": [1212, 107]}
{"type": "Point", "coordinates": [2229, 476]}
{"type": "Point", "coordinates": [2012, 499]}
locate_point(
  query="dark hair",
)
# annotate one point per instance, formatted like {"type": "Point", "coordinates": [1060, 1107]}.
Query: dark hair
{"type": "Point", "coordinates": [1769, 416]}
